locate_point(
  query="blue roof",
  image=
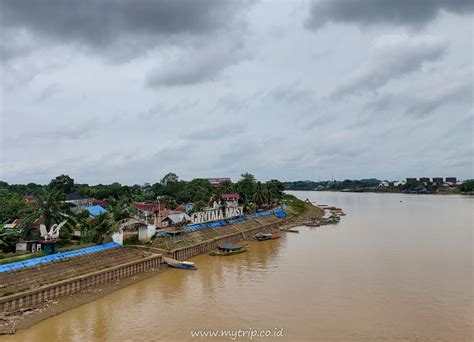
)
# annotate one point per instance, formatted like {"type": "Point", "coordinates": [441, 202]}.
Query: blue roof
{"type": "Point", "coordinates": [96, 210]}
{"type": "Point", "coordinates": [56, 257]}
{"type": "Point", "coordinates": [280, 213]}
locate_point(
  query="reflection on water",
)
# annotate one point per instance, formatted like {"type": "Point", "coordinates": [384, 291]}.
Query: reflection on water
{"type": "Point", "coordinates": [397, 267]}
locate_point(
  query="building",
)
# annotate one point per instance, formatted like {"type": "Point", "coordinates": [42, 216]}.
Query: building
{"type": "Point", "coordinates": [452, 180]}
{"type": "Point", "coordinates": [384, 184]}
{"type": "Point", "coordinates": [231, 200]}
{"type": "Point", "coordinates": [424, 179]}
{"type": "Point", "coordinates": [411, 181]}
{"type": "Point", "coordinates": [179, 219]}
{"type": "Point", "coordinates": [438, 180]}
{"type": "Point", "coordinates": [216, 182]}
{"type": "Point", "coordinates": [150, 212]}
{"type": "Point", "coordinates": [399, 183]}
{"type": "Point", "coordinates": [80, 203]}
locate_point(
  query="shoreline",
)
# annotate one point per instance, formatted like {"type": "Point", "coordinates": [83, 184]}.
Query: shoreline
{"type": "Point", "coordinates": [25, 318]}
{"type": "Point", "coordinates": [390, 192]}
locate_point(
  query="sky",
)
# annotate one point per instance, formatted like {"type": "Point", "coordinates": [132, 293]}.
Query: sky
{"type": "Point", "coordinates": [128, 91]}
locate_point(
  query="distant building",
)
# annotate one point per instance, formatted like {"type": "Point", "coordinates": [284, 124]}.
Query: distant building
{"type": "Point", "coordinates": [384, 184]}
{"type": "Point", "coordinates": [397, 183]}
{"type": "Point", "coordinates": [216, 182]}
{"type": "Point", "coordinates": [411, 181]}
{"type": "Point", "coordinates": [451, 180]}
{"type": "Point", "coordinates": [438, 180]}
{"type": "Point", "coordinates": [424, 180]}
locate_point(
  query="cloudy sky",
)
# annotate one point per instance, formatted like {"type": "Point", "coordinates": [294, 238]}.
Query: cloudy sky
{"type": "Point", "coordinates": [127, 91]}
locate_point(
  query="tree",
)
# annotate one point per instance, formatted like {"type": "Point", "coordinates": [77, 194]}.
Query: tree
{"type": "Point", "coordinates": [63, 183]}
{"type": "Point", "coordinates": [246, 186]}
{"type": "Point", "coordinates": [50, 208]}
{"type": "Point", "coordinates": [12, 206]}
{"type": "Point", "coordinates": [169, 178]}
{"type": "Point", "coordinates": [102, 226]}
{"type": "Point", "coordinates": [467, 186]}
{"type": "Point", "coordinates": [8, 238]}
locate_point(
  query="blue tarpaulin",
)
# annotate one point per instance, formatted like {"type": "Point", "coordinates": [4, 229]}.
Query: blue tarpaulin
{"type": "Point", "coordinates": [95, 210]}
{"type": "Point", "coordinates": [280, 213]}
{"type": "Point", "coordinates": [56, 257]}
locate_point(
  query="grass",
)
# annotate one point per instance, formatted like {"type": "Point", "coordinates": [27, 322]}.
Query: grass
{"type": "Point", "coordinates": [296, 205]}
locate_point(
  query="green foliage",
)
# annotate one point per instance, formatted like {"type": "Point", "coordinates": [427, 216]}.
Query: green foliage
{"type": "Point", "coordinates": [8, 239]}
{"type": "Point", "coordinates": [467, 186]}
{"type": "Point", "coordinates": [297, 205]}
{"type": "Point", "coordinates": [62, 183]}
{"type": "Point", "coordinates": [12, 206]}
{"type": "Point", "coordinates": [96, 229]}
{"type": "Point", "coordinates": [50, 208]}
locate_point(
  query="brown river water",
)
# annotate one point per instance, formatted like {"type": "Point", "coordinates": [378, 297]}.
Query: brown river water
{"type": "Point", "coordinates": [396, 268]}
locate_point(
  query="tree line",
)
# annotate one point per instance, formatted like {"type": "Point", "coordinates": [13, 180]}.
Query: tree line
{"type": "Point", "coordinates": [47, 203]}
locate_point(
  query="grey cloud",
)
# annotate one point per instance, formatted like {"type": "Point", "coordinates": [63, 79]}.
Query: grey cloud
{"type": "Point", "coordinates": [446, 94]}
{"type": "Point", "coordinates": [163, 110]}
{"type": "Point", "coordinates": [393, 56]}
{"type": "Point", "coordinates": [115, 24]}
{"type": "Point", "coordinates": [293, 93]}
{"type": "Point", "coordinates": [49, 91]}
{"type": "Point", "coordinates": [217, 132]}
{"type": "Point", "coordinates": [197, 65]}
{"type": "Point", "coordinates": [422, 99]}
{"type": "Point", "coordinates": [414, 13]}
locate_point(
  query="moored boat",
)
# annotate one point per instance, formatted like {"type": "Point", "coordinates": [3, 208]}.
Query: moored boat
{"type": "Point", "coordinates": [266, 236]}
{"type": "Point", "coordinates": [185, 265]}
{"type": "Point", "coordinates": [229, 249]}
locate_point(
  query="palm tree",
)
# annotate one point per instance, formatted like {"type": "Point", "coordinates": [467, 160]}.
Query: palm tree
{"type": "Point", "coordinates": [50, 208]}
{"type": "Point", "coordinates": [8, 238]}
{"type": "Point", "coordinates": [102, 226]}
{"type": "Point", "coordinates": [260, 197]}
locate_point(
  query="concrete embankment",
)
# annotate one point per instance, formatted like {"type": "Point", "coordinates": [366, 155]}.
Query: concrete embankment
{"type": "Point", "coordinates": [23, 309]}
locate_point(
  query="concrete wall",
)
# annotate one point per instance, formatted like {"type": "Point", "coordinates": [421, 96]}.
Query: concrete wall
{"type": "Point", "coordinates": [203, 247]}
{"type": "Point", "coordinates": [33, 297]}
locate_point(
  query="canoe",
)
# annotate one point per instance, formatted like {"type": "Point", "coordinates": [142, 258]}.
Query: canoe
{"type": "Point", "coordinates": [229, 249]}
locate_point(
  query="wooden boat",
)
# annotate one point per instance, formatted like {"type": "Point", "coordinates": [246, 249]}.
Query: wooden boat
{"type": "Point", "coordinates": [263, 236]}
{"type": "Point", "coordinates": [289, 230]}
{"type": "Point", "coordinates": [267, 236]}
{"type": "Point", "coordinates": [312, 224]}
{"type": "Point", "coordinates": [229, 249]}
{"type": "Point", "coordinates": [183, 265]}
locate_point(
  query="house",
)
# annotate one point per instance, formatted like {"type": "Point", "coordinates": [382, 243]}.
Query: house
{"type": "Point", "coordinates": [384, 184]}
{"type": "Point", "coordinates": [28, 198]}
{"type": "Point", "coordinates": [175, 220]}
{"type": "Point", "coordinates": [95, 201]}
{"type": "Point", "coordinates": [231, 200]}
{"type": "Point", "coordinates": [399, 183]}
{"type": "Point", "coordinates": [411, 181]}
{"type": "Point", "coordinates": [151, 213]}
{"type": "Point", "coordinates": [425, 180]}
{"type": "Point", "coordinates": [80, 203]}
{"type": "Point", "coordinates": [438, 180]}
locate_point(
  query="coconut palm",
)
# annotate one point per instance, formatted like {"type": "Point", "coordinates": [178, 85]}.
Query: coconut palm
{"type": "Point", "coordinates": [50, 208]}
{"type": "Point", "coordinates": [102, 226]}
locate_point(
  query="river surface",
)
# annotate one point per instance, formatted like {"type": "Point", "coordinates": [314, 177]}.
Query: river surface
{"type": "Point", "coordinates": [396, 268]}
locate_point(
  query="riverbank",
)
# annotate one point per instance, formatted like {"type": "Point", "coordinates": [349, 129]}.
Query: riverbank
{"type": "Point", "coordinates": [27, 317]}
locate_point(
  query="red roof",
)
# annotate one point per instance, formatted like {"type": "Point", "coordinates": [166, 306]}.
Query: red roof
{"type": "Point", "coordinates": [149, 206]}
{"type": "Point", "coordinates": [28, 198]}
{"type": "Point", "coordinates": [95, 201]}
{"type": "Point", "coordinates": [230, 197]}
